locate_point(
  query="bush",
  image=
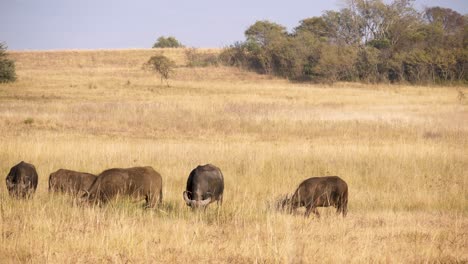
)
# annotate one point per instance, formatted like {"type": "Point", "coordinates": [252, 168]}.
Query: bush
{"type": "Point", "coordinates": [169, 42]}
{"type": "Point", "coordinates": [249, 55]}
{"type": "Point", "coordinates": [7, 67]}
{"type": "Point", "coordinates": [28, 121]}
{"type": "Point", "coordinates": [198, 59]}
{"type": "Point", "coordinates": [234, 55]}
{"type": "Point", "coordinates": [162, 65]}
{"type": "Point", "coordinates": [366, 65]}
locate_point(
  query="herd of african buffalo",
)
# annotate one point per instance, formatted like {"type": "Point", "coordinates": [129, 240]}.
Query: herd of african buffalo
{"type": "Point", "coordinates": [205, 185]}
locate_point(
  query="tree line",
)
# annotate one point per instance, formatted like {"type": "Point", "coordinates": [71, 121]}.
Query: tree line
{"type": "Point", "coordinates": [368, 41]}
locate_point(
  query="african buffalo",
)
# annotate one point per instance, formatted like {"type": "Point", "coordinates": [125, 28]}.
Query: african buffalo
{"type": "Point", "coordinates": [205, 185]}
{"type": "Point", "coordinates": [69, 181]}
{"type": "Point", "coordinates": [137, 182]}
{"type": "Point", "coordinates": [21, 181]}
{"type": "Point", "coordinates": [319, 192]}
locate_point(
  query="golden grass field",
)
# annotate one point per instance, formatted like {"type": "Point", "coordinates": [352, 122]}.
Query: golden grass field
{"type": "Point", "coordinates": [403, 150]}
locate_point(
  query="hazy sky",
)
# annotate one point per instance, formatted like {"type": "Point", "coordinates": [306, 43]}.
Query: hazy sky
{"type": "Point", "coordinates": [111, 24]}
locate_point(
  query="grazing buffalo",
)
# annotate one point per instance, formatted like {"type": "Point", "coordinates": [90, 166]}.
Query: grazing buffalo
{"type": "Point", "coordinates": [69, 181]}
{"type": "Point", "coordinates": [205, 185]}
{"type": "Point", "coordinates": [137, 182]}
{"type": "Point", "coordinates": [319, 192]}
{"type": "Point", "coordinates": [21, 181]}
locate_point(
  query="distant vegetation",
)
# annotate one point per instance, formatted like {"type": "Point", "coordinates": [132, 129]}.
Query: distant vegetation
{"type": "Point", "coordinates": [369, 41]}
{"type": "Point", "coordinates": [169, 42]}
{"type": "Point", "coordinates": [7, 66]}
{"type": "Point", "coordinates": [161, 65]}
{"type": "Point", "coordinates": [196, 58]}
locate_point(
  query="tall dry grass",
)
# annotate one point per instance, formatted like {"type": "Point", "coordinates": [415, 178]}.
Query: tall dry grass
{"type": "Point", "coordinates": [401, 149]}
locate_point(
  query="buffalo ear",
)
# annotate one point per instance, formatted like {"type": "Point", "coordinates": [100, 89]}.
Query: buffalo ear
{"type": "Point", "coordinates": [9, 184]}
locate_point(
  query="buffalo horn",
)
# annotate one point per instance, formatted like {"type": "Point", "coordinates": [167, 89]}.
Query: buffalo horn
{"type": "Point", "coordinates": [204, 202]}
{"type": "Point", "coordinates": [187, 200]}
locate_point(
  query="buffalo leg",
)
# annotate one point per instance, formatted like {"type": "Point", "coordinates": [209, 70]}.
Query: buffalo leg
{"type": "Point", "coordinates": [311, 209]}
{"type": "Point", "coordinates": [149, 201]}
{"type": "Point", "coordinates": [152, 200]}
{"type": "Point", "coordinates": [339, 209]}
{"type": "Point", "coordinates": [316, 212]}
{"type": "Point", "coordinates": [344, 209]}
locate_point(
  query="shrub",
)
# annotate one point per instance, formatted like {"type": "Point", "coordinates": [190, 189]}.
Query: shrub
{"type": "Point", "coordinates": [198, 59]}
{"type": "Point", "coordinates": [28, 121]}
{"type": "Point", "coordinates": [7, 67]}
{"type": "Point", "coordinates": [235, 55]}
{"type": "Point", "coordinates": [162, 65]}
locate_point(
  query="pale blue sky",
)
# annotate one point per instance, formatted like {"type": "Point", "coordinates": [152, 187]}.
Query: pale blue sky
{"type": "Point", "coordinates": [114, 24]}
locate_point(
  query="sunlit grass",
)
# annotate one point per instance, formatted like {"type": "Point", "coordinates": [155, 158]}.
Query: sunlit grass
{"type": "Point", "coordinates": [401, 149]}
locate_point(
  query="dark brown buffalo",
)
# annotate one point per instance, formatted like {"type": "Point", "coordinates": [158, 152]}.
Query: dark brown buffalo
{"type": "Point", "coordinates": [205, 185]}
{"type": "Point", "coordinates": [21, 181]}
{"type": "Point", "coordinates": [320, 192]}
{"type": "Point", "coordinates": [137, 182]}
{"type": "Point", "coordinates": [69, 181]}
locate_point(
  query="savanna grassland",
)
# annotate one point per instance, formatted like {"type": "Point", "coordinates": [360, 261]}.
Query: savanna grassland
{"type": "Point", "coordinates": [401, 149]}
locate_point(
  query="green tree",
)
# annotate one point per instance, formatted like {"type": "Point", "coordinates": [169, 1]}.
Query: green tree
{"type": "Point", "coordinates": [161, 65]}
{"type": "Point", "coordinates": [344, 27]}
{"type": "Point", "coordinates": [297, 56]}
{"type": "Point", "coordinates": [169, 42]}
{"type": "Point", "coordinates": [7, 66]}
{"type": "Point", "coordinates": [450, 20]}
{"type": "Point", "coordinates": [314, 25]}
{"type": "Point", "coordinates": [444, 40]}
{"type": "Point", "coordinates": [235, 55]}
{"type": "Point", "coordinates": [264, 32]}
{"type": "Point", "coordinates": [336, 63]}
{"type": "Point", "coordinates": [367, 64]}
{"type": "Point", "coordinates": [264, 38]}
